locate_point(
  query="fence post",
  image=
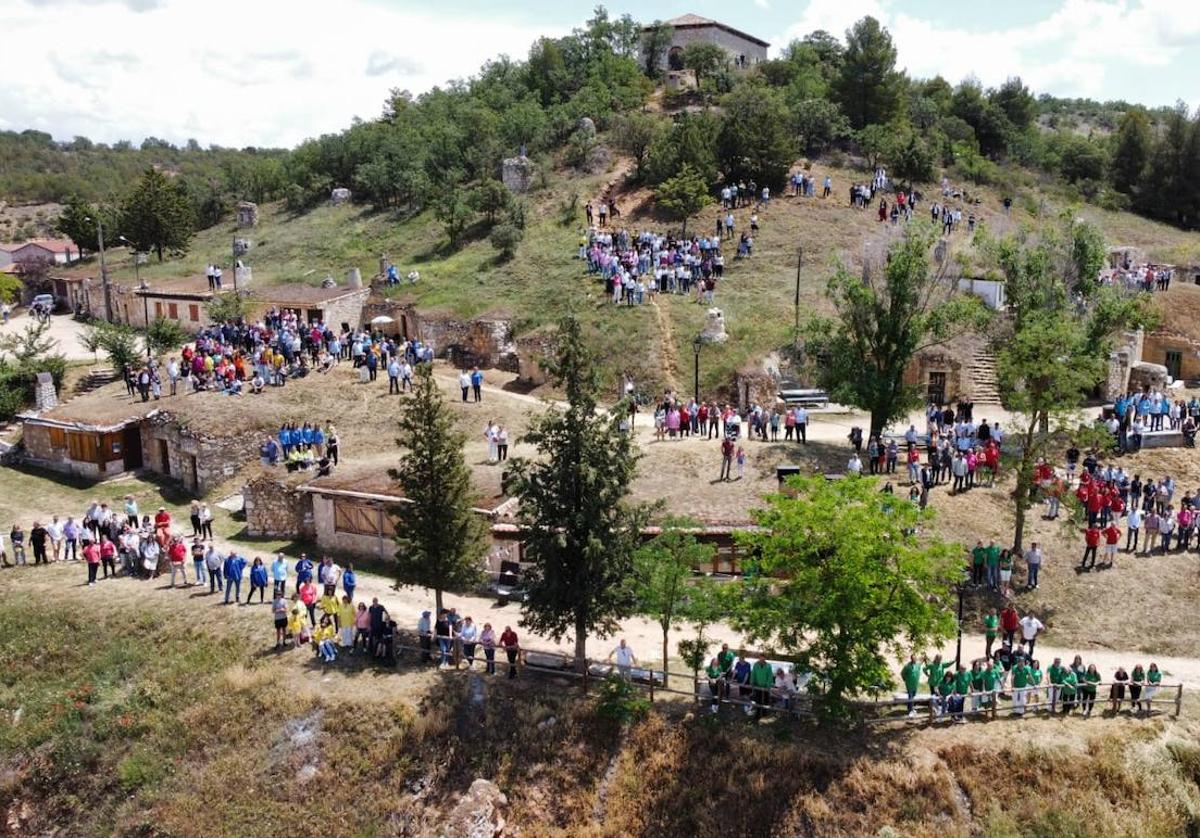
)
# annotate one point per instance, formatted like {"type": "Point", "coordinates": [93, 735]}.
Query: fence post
{"type": "Point", "coordinates": [652, 684]}
{"type": "Point", "coordinates": [992, 704]}
{"type": "Point", "coordinates": [1178, 699]}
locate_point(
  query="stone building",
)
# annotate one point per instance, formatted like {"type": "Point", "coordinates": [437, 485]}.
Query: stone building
{"type": "Point", "coordinates": [334, 306]}
{"type": "Point", "coordinates": [962, 369]}
{"type": "Point", "coordinates": [198, 461]}
{"type": "Point", "coordinates": [485, 341]}
{"type": "Point", "coordinates": [68, 440]}
{"type": "Point", "coordinates": [180, 300]}
{"type": "Point", "coordinates": [744, 50]}
{"type": "Point", "coordinates": [1175, 350]}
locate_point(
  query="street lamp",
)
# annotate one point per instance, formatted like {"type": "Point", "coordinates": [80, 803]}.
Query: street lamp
{"type": "Point", "coordinates": [145, 289]}
{"type": "Point", "coordinates": [799, 266]}
{"type": "Point", "coordinates": [960, 587]}
{"type": "Point", "coordinates": [137, 274]}
{"type": "Point", "coordinates": [103, 267]}
{"type": "Point", "coordinates": [697, 345]}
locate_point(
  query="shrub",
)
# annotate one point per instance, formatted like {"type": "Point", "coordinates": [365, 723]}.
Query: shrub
{"type": "Point", "coordinates": [164, 335]}
{"type": "Point", "coordinates": [620, 701]}
{"type": "Point", "coordinates": [505, 238]}
{"type": "Point", "coordinates": [140, 769]}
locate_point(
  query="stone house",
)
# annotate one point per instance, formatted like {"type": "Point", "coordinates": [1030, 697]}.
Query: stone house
{"type": "Point", "coordinates": [962, 369]}
{"type": "Point", "coordinates": [485, 341]}
{"type": "Point", "coordinates": [334, 306]}
{"type": "Point", "coordinates": [744, 50]}
{"type": "Point", "coordinates": [1178, 352]}
{"type": "Point", "coordinates": [198, 461]}
{"type": "Point", "coordinates": [181, 300]}
{"type": "Point", "coordinates": [67, 441]}
{"type": "Point", "coordinates": [46, 251]}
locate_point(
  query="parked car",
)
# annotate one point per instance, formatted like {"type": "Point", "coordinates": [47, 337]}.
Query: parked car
{"type": "Point", "coordinates": [42, 306]}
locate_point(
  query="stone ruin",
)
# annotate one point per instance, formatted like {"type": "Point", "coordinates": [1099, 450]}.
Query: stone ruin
{"type": "Point", "coordinates": [45, 396]}
{"type": "Point", "coordinates": [354, 278]}
{"type": "Point", "coordinates": [517, 174]}
{"type": "Point", "coordinates": [340, 196]}
{"type": "Point", "coordinates": [1146, 374]}
{"type": "Point", "coordinates": [247, 214]}
{"type": "Point", "coordinates": [714, 327]}
{"type": "Point", "coordinates": [241, 247]}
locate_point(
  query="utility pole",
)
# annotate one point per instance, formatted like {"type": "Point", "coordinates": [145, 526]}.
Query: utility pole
{"type": "Point", "coordinates": [233, 249]}
{"type": "Point", "coordinates": [799, 265]}
{"type": "Point", "coordinates": [104, 271]}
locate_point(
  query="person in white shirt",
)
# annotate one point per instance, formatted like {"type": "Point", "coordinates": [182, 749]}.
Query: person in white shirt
{"type": "Point", "coordinates": [1033, 561]}
{"type": "Point", "coordinates": [54, 531]}
{"type": "Point", "coordinates": [801, 419]}
{"type": "Point", "coordinates": [1031, 627]}
{"type": "Point", "coordinates": [855, 464]}
{"type": "Point", "coordinates": [625, 659]}
{"type": "Point", "coordinates": [464, 383]}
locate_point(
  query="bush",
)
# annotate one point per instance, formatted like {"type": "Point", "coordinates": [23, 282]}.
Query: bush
{"type": "Point", "coordinates": [140, 769]}
{"type": "Point", "coordinates": [505, 238]}
{"type": "Point", "coordinates": [620, 701]}
{"type": "Point", "coordinates": [165, 335]}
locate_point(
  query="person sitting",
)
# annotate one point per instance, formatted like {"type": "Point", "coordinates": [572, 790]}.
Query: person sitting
{"type": "Point", "coordinates": [257, 383]}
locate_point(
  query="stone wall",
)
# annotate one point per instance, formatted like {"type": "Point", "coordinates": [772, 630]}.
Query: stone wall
{"type": "Point", "coordinates": [329, 538]}
{"type": "Point", "coordinates": [348, 309]}
{"type": "Point", "coordinates": [275, 509]}
{"type": "Point", "coordinates": [42, 451]}
{"type": "Point", "coordinates": [731, 43]}
{"type": "Point", "coordinates": [1159, 343]}
{"type": "Point", "coordinates": [198, 461]}
{"type": "Point", "coordinates": [755, 387]}
{"type": "Point", "coordinates": [531, 350]}
{"type": "Point", "coordinates": [484, 341]}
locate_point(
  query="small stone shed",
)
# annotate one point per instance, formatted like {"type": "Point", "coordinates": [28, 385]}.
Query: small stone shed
{"type": "Point", "coordinates": [85, 443]}
{"type": "Point", "coordinates": [333, 306]}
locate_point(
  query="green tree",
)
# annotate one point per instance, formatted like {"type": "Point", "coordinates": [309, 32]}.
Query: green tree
{"type": "Point", "coordinates": [704, 59]}
{"type": "Point", "coordinates": [1017, 103]}
{"type": "Point", "coordinates": [120, 344]}
{"type": "Point", "coordinates": [882, 321]}
{"type": "Point", "coordinates": [453, 209]}
{"type": "Point", "coordinates": [490, 197]}
{"type": "Point", "coordinates": [505, 238]}
{"type": "Point", "coordinates": [164, 335]}
{"type": "Point", "coordinates": [1056, 344]}
{"type": "Point", "coordinates": [580, 530]}
{"type": "Point", "coordinates": [877, 142]}
{"type": "Point", "coordinates": [635, 134]}
{"type": "Point", "coordinates": [1132, 151]}
{"type": "Point", "coordinates": [440, 540]}
{"type": "Point", "coordinates": [912, 160]}
{"type": "Point", "coordinates": [683, 196]}
{"type": "Point", "coordinates": [228, 308]}
{"type": "Point", "coordinates": [157, 215]}
{"type": "Point", "coordinates": [819, 123]}
{"type": "Point", "coordinates": [847, 579]}
{"type": "Point", "coordinates": [663, 577]}
{"type": "Point", "coordinates": [754, 143]}
{"type": "Point", "coordinates": [656, 40]}
{"type": "Point", "coordinates": [692, 141]}
{"type": "Point", "coordinates": [869, 87]}
{"type": "Point", "coordinates": [78, 223]}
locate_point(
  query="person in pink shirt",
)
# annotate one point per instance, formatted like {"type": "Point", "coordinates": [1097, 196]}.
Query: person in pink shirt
{"type": "Point", "coordinates": [91, 554]}
{"type": "Point", "coordinates": [362, 627]}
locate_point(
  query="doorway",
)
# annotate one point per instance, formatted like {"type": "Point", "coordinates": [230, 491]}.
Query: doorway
{"type": "Point", "coordinates": [936, 393]}
{"type": "Point", "coordinates": [675, 58]}
{"type": "Point", "coordinates": [1173, 363]}
{"type": "Point", "coordinates": [193, 474]}
{"type": "Point", "coordinates": [164, 457]}
{"type": "Point", "coordinates": [131, 446]}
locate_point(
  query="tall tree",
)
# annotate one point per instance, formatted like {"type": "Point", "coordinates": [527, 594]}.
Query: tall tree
{"type": "Point", "coordinates": [869, 87]}
{"type": "Point", "coordinates": [1056, 343]}
{"type": "Point", "coordinates": [580, 530]}
{"type": "Point", "coordinates": [157, 215]}
{"type": "Point", "coordinates": [883, 320]}
{"type": "Point", "coordinates": [683, 195]}
{"type": "Point", "coordinates": [704, 59]}
{"type": "Point", "coordinates": [656, 40]}
{"type": "Point", "coordinates": [754, 143]}
{"type": "Point", "coordinates": [440, 540]}
{"type": "Point", "coordinates": [663, 577]}
{"type": "Point", "coordinates": [847, 576]}
{"type": "Point", "coordinates": [78, 223]}
{"type": "Point", "coordinates": [1132, 151]}
{"type": "Point", "coordinates": [1018, 104]}
{"type": "Point", "coordinates": [635, 134]}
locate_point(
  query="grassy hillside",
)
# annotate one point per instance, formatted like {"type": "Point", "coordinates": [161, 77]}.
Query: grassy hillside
{"type": "Point", "coordinates": [654, 342]}
{"type": "Point", "coordinates": [163, 716]}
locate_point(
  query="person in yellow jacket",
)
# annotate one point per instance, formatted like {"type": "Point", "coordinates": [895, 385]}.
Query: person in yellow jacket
{"type": "Point", "coordinates": [324, 637]}
{"type": "Point", "coordinates": [345, 619]}
{"type": "Point", "coordinates": [296, 619]}
{"type": "Point", "coordinates": [329, 607]}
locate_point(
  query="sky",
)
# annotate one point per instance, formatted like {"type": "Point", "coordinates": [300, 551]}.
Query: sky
{"type": "Point", "coordinates": [274, 72]}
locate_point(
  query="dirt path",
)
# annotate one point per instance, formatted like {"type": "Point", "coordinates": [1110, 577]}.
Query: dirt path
{"type": "Point", "coordinates": [666, 346]}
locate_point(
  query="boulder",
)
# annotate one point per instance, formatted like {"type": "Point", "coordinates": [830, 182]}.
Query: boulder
{"type": "Point", "coordinates": [517, 173]}
{"type": "Point", "coordinates": [339, 196]}
{"type": "Point", "coordinates": [1146, 374]}
{"type": "Point", "coordinates": [598, 159]}
{"type": "Point", "coordinates": [586, 126]}
{"type": "Point", "coordinates": [477, 814]}
{"type": "Point", "coordinates": [247, 214]}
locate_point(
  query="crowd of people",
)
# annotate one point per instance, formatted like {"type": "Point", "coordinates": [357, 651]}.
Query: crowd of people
{"type": "Point", "coordinates": [637, 266]}
{"type": "Point", "coordinates": [1147, 277]}
{"type": "Point", "coordinates": [1137, 413]}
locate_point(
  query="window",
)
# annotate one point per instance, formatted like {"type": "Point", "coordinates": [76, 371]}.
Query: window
{"type": "Point", "coordinates": [173, 311]}
{"type": "Point", "coordinates": [157, 310]}
{"type": "Point", "coordinates": [356, 518]}
{"type": "Point", "coordinates": [194, 313]}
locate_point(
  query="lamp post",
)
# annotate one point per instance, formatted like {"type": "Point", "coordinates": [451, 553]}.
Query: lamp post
{"type": "Point", "coordinates": [697, 345]}
{"type": "Point", "coordinates": [103, 268]}
{"type": "Point", "coordinates": [137, 273]}
{"type": "Point", "coordinates": [145, 289]}
{"type": "Point", "coordinates": [964, 578]}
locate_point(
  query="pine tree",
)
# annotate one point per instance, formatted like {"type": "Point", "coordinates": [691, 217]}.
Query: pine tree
{"type": "Point", "coordinates": [580, 532]}
{"type": "Point", "coordinates": [440, 539]}
{"type": "Point", "coordinates": [157, 215]}
{"type": "Point", "coordinates": [869, 86]}
{"type": "Point", "coordinates": [683, 195]}
{"type": "Point", "coordinates": [1132, 152]}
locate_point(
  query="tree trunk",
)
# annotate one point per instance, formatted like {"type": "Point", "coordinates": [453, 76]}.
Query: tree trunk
{"type": "Point", "coordinates": [666, 630]}
{"type": "Point", "coordinates": [1022, 489]}
{"type": "Point", "coordinates": [159, 250]}
{"type": "Point", "coordinates": [580, 647]}
{"type": "Point", "coordinates": [437, 601]}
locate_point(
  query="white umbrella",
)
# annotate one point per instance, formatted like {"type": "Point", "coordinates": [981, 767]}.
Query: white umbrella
{"type": "Point", "coordinates": [382, 320]}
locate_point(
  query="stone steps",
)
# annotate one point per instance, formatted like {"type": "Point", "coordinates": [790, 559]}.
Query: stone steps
{"type": "Point", "coordinates": [985, 386]}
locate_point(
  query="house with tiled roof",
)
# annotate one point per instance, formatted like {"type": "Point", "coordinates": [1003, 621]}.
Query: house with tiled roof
{"type": "Point", "coordinates": [744, 50]}
{"type": "Point", "coordinates": [49, 251]}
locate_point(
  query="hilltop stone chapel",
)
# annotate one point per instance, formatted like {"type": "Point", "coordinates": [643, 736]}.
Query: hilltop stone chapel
{"type": "Point", "coordinates": [744, 50]}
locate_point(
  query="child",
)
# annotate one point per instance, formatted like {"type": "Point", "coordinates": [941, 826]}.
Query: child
{"type": "Point", "coordinates": [324, 639]}
{"type": "Point", "coordinates": [741, 462]}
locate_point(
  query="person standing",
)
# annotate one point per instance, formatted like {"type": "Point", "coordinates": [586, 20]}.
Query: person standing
{"type": "Point", "coordinates": [991, 628]}
{"type": "Point", "coordinates": [213, 563]}
{"type": "Point", "coordinates": [393, 371]}
{"type": "Point", "coordinates": [512, 647]}
{"type": "Point", "coordinates": [911, 676]}
{"type": "Point", "coordinates": [487, 639]}
{"type": "Point", "coordinates": [468, 634]}
{"type": "Point", "coordinates": [177, 554]}
{"type": "Point", "coordinates": [91, 554]}
{"type": "Point", "coordinates": [1031, 627]}
{"type": "Point", "coordinates": [625, 659]}
{"type": "Point", "coordinates": [1033, 561]}
{"type": "Point", "coordinates": [54, 530]}
{"type": "Point", "coordinates": [279, 573]}
{"type": "Point", "coordinates": [258, 581]}
{"type": "Point", "coordinates": [235, 565]}
{"type": "Point", "coordinates": [801, 423]}
{"type": "Point", "coordinates": [762, 678]}
{"type": "Point", "coordinates": [37, 539]}
{"type": "Point", "coordinates": [198, 552]}
{"type": "Point", "coordinates": [1091, 537]}
{"type": "Point", "coordinates": [464, 384]}
{"type": "Point", "coordinates": [349, 581]}
{"type": "Point", "coordinates": [71, 532]}
{"type": "Point", "coordinates": [477, 384]}
{"type": "Point", "coordinates": [279, 611]}
{"type": "Point", "coordinates": [727, 449]}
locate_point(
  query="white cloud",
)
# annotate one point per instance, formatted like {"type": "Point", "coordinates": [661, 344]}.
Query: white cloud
{"type": "Point", "coordinates": [231, 72]}
{"type": "Point", "coordinates": [1080, 48]}
{"type": "Point", "coordinates": [762, 4]}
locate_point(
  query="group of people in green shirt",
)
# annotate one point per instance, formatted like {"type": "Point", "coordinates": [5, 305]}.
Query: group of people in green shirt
{"type": "Point", "coordinates": [1067, 688]}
